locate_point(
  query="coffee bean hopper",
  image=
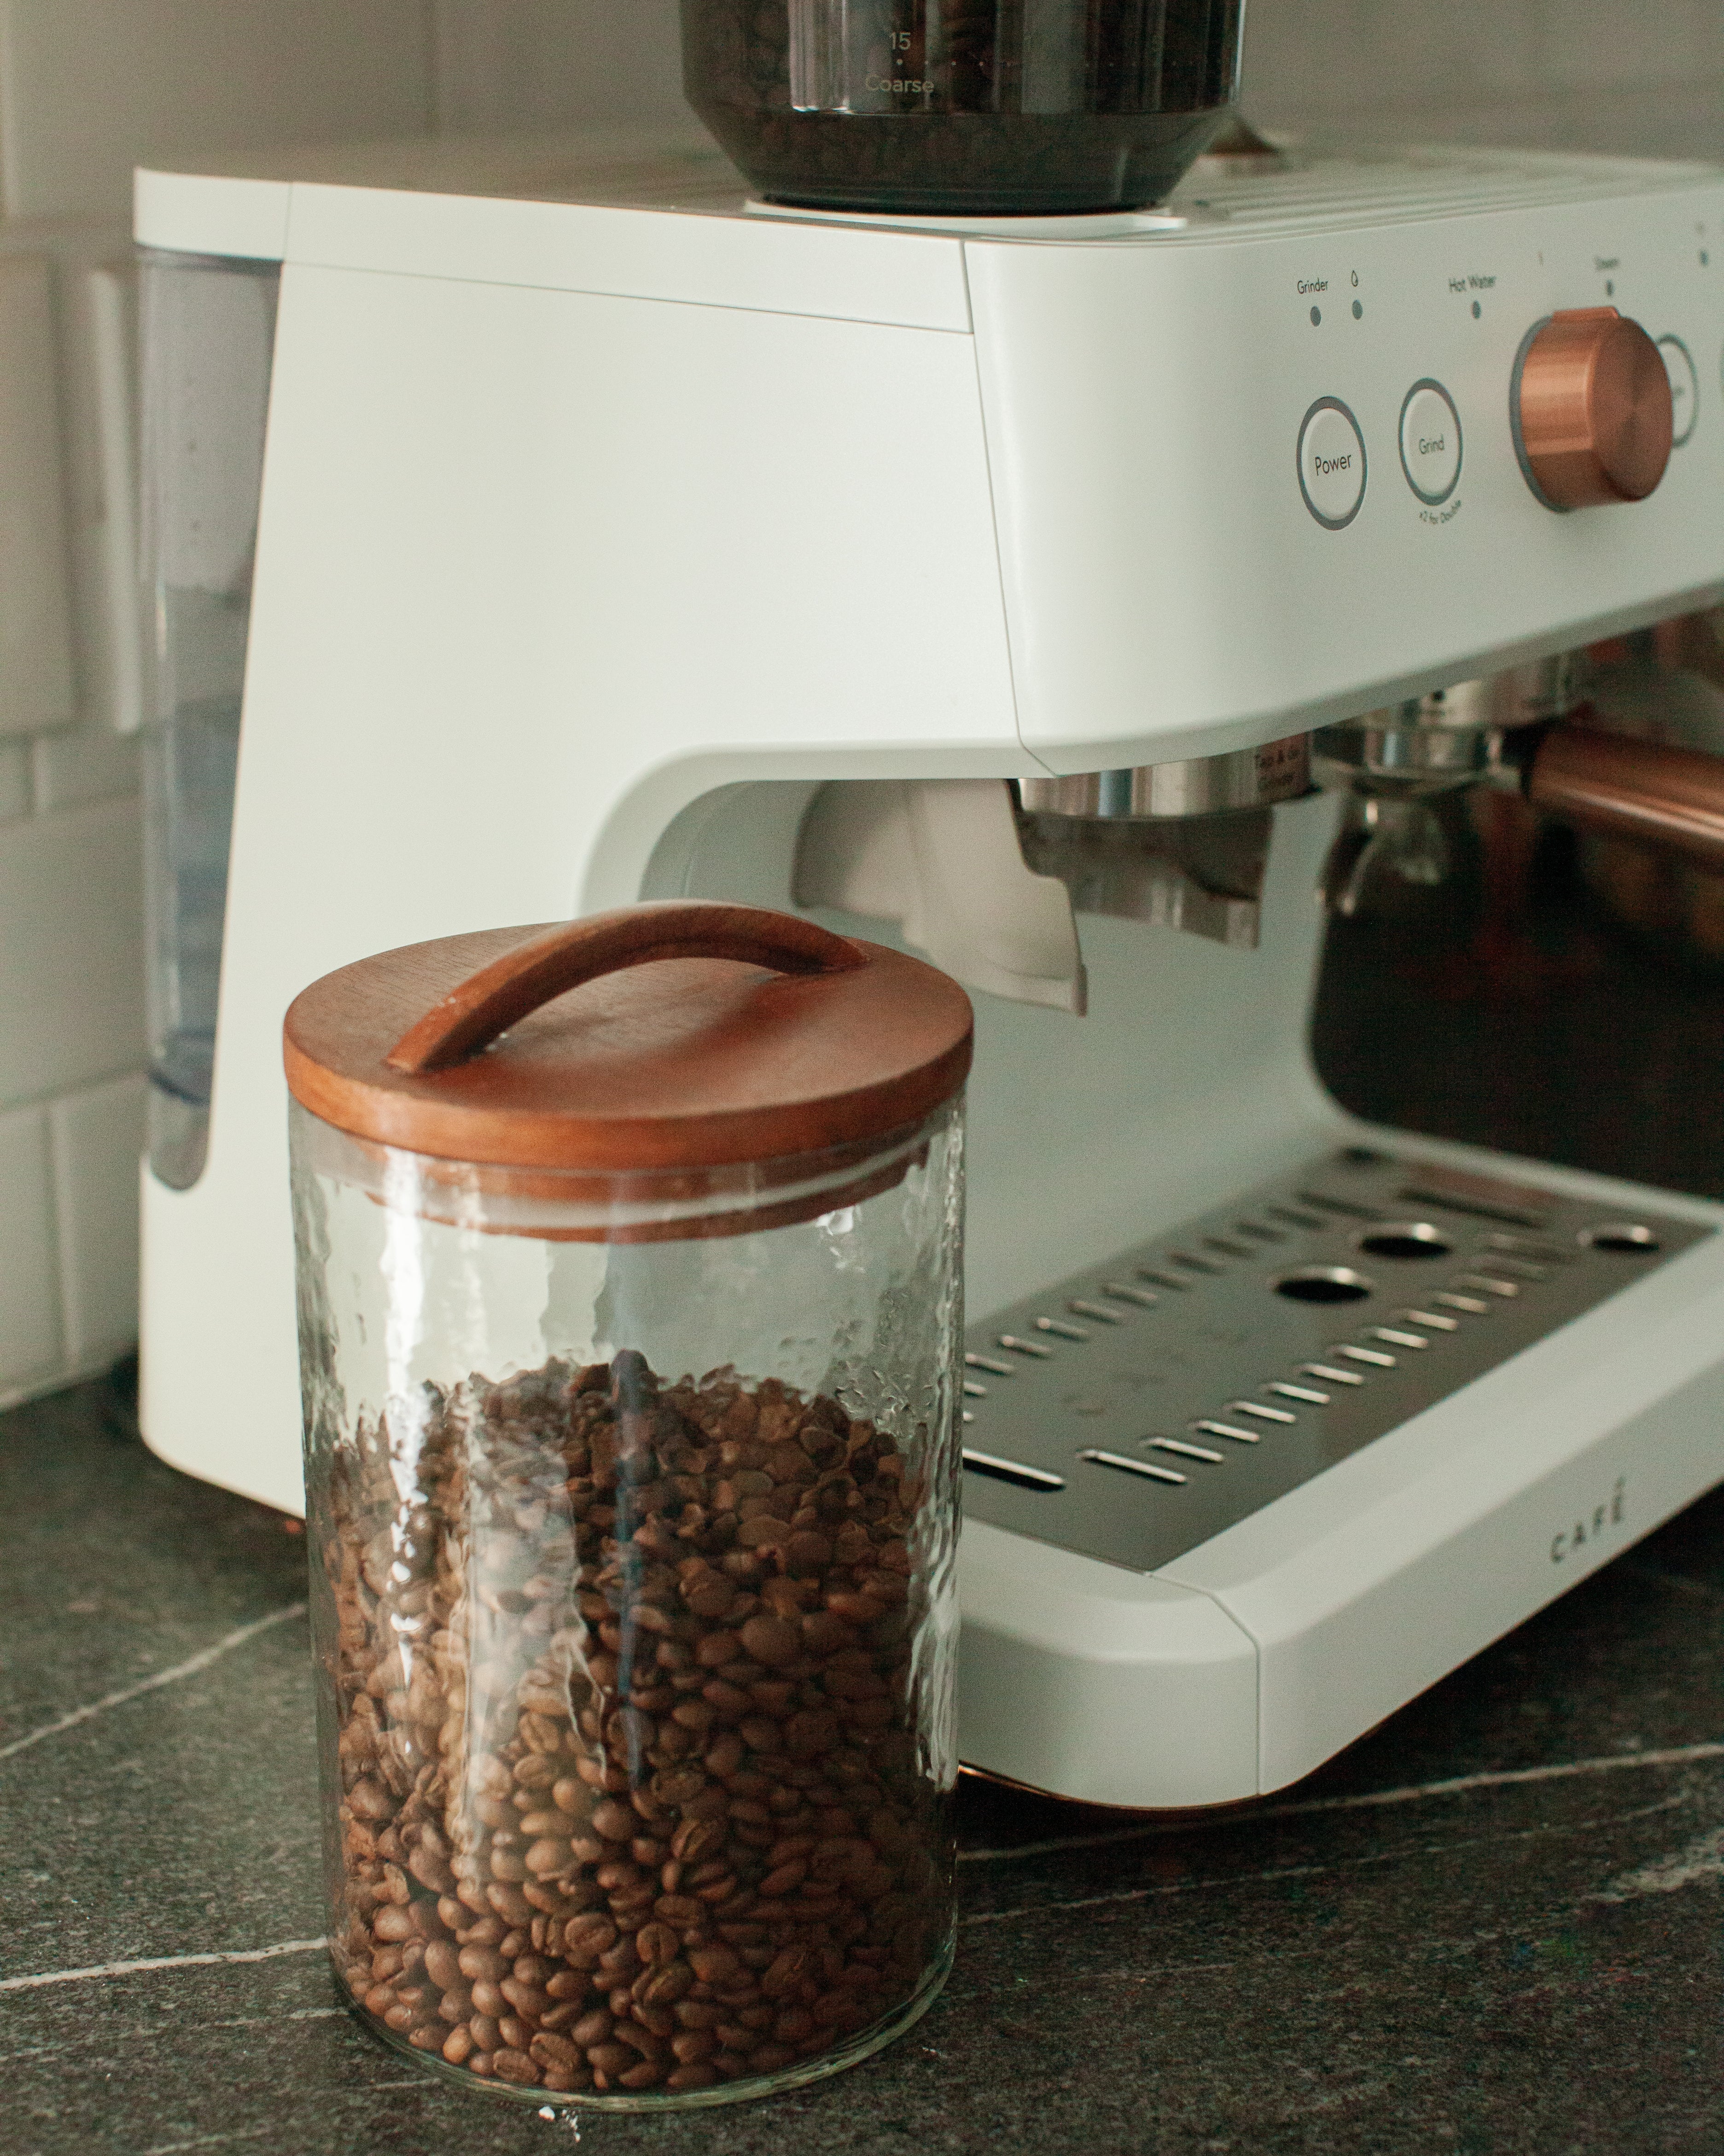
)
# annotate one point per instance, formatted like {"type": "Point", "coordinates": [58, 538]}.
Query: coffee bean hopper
{"type": "Point", "coordinates": [937, 106]}
{"type": "Point", "coordinates": [1005, 583]}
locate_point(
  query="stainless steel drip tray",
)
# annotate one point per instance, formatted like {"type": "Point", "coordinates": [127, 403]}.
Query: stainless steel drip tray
{"type": "Point", "coordinates": [1138, 1408]}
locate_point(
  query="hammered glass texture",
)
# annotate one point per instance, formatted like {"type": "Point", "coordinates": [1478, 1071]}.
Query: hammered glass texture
{"type": "Point", "coordinates": [634, 1619]}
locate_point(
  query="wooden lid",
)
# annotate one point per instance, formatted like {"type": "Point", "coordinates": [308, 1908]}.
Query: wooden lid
{"type": "Point", "coordinates": [685, 1034]}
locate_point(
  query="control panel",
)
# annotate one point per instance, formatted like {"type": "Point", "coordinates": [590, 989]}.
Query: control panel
{"type": "Point", "coordinates": [1305, 457]}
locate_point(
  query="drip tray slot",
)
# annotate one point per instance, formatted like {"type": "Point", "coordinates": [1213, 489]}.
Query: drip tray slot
{"type": "Point", "coordinates": [1320, 1315]}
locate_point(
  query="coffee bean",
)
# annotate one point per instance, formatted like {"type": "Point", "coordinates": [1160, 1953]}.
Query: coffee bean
{"type": "Point", "coordinates": [666, 1985]}
{"type": "Point", "coordinates": [526, 1999]}
{"type": "Point", "coordinates": [786, 1973]}
{"type": "Point", "coordinates": [694, 2077]}
{"type": "Point", "coordinates": [772, 1640]}
{"type": "Point", "coordinates": [511, 2066]}
{"type": "Point", "coordinates": [657, 1942]}
{"type": "Point", "coordinates": [709, 1596]}
{"type": "Point", "coordinates": [808, 1554]}
{"type": "Point", "coordinates": [697, 1838]}
{"type": "Point", "coordinates": [614, 1821]}
{"type": "Point", "coordinates": [585, 1938]}
{"type": "Point", "coordinates": [657, 2019]}
{"type": "Point", "coordinates": [548, 2051]}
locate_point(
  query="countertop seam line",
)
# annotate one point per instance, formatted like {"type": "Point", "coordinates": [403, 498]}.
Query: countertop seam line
{"type": "Point", "coordinates": [189, 1668]}
{"type": "Point", "coordinates": [1681, 1755]}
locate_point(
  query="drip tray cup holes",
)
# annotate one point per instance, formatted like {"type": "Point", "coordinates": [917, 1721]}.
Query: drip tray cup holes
{"type": "Point", "coordinates": [1621, 1238]}
{"type": "Point", "coordinates": [1324, 1284]}
{"type": "Point", "coordinates": [1406, 1239]}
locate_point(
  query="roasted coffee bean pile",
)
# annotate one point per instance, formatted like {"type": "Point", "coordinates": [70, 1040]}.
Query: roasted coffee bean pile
{"type": "Point", "coordinates": [625, 1713]}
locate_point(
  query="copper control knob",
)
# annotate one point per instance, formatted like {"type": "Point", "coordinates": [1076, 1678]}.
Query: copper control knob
{"type": "Point", "coordinates": [1591, 409]}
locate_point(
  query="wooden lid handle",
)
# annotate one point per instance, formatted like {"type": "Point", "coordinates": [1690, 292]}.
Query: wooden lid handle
{"type": "Point", "coordinates": [470, 1017]}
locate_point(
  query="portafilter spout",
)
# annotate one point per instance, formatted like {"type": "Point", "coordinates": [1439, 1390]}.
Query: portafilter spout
{"type": "Point", "coordinates": [1391, 763]}
{"type": "Point", "coordinates": [1526, 732]}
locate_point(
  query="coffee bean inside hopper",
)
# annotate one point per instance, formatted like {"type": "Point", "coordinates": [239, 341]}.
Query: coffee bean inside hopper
{"type": "Point", "coordinates": [626, 1721]}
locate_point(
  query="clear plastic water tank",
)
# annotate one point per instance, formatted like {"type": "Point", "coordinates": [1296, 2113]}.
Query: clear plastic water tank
{"type": "Point", "coordinates": [209, 332]}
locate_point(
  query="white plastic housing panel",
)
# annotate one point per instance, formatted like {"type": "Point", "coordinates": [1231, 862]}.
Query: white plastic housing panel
{"type": "Point", "coordinates": [861, 274]}
{"type": "Point", "coordinates": [1112, 1686]}
{"type": "Point", "coordinates": [499, 639]}
{"type": "Point", "coordinates": [638, 216]}
{"type": "Point", "coordinates": [188, 214]}
{"type": "Point", "coordinates": [1169, 591]}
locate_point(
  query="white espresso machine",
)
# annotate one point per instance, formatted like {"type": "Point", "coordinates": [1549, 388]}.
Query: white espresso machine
{"type": "Point", "coordinates": [979, 584]}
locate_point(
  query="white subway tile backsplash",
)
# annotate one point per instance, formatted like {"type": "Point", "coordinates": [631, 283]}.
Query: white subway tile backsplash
{"type": "Point", "coordinates": [1598, 44]}
{"type": "Point", "coordinates": [90, 88]}
{"type": "Point", "coordinates": [520, 64]}
{"type": "Point", "coordinates": [96, 1138]}
{"type": "Point", "coordinates": [36, 667]}
{"type": "Point", "coordinates": [14, 780]}
{"type": "Point", "coordinates": [32, 1345]}
{"type": "Point", "coordinates": [71, 955]}
{"type": "Point", "coordinates": [90, 763]}
{"type": "Point", "coordinates": [1611, 75]}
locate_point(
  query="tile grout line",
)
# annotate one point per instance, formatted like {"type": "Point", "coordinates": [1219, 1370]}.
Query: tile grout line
{"type": "Point", "coordinates": [201, 1661]}
{"type": "Point", "coordinates": [60, 1203]}
{"type": "Point", "coordinates": [1367, 1800]}
{"type": "Point", "coordinates": [162, 1960]}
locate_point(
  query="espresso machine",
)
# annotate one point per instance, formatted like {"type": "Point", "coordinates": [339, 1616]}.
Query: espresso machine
{"type": "Point", "coordinates": [1002, 585]}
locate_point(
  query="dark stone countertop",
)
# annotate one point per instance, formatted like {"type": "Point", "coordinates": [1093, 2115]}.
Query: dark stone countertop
{"type": "Point", "coordinates": [1491, 1926]}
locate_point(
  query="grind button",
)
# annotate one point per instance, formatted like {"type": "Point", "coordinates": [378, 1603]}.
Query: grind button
{"type": "Point", "coordinates": [1430, 442]}
{"type": "Point", "coordinates": [1332, 464]}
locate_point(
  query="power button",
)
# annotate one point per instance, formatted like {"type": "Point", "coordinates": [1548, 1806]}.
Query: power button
{"type": "Point", "coordinates": [1332, 464]}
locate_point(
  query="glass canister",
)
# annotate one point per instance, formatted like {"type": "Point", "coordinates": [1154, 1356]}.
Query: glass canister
{"type": "Point", "coordinates": [972, 107]}
{"type": "Point", "coordinates": [630, 1309]}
